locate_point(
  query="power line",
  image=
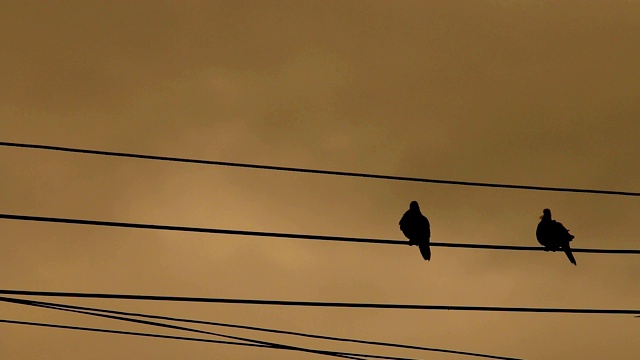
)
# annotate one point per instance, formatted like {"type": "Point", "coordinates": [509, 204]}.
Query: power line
{"type": "Point", "coordinates": [321, 303]}
{"type": "Point", "coordinates": [317, 171]}
{"type": "Point", "coordinates": [294, 236]}
{"type": "Point", "coordinates": [341, 354]}
{"type": "Point", "coordinates": [69, 327]}
{"type": "Point", "coordinates": [253, 328]}
{"type": "Point", "coordinates": [133, 333]}
{"type": "Point", "coordinates": [94, 312]}
{"type": "Point", "coordinates": [345, 355]}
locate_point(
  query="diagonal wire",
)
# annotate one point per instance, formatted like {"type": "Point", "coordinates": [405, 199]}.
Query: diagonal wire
{"type": "Point", "coordinates": [276, 331]}
{"type": "Point", "coordinates": [266, 344]}
{"type": "Point", "coordinates": [322, 303]}
{"type": "Point", "coordinates": [294, 236]}
{"type": "Point", "coordinates": [69, 327]}
{"type": "Point", "coordinates": [316, 171]}
{"type": "Point", "coordinates": [340, 354]}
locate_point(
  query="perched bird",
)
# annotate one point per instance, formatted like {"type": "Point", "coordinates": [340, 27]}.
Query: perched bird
{"type": "Point", "coordinates": [554, 236]}
{"type": "Point", "coordinates": [416, 228]}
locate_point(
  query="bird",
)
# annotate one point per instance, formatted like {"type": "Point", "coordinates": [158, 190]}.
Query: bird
{"type": "Point", "coordinates": [417, 229]}
{"type": "Point", "coordinates": [554, 236]}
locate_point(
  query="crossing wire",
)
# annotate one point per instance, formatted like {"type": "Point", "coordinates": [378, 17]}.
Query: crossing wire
{"type": "Point", "coordinates": [260, 329]}
{"type": "Point", "coordinates": [133, 333]}
{"type": "Point", "coordinates": [316, 171]}
{"type": "Point", "coordinates": [182, 328]}
{"type": "Point", "coordinates": [321, 303]}
{"type": "Point", "coordinates": [295, 236]}
{"type": "Point", "coordinates": [69, 327]}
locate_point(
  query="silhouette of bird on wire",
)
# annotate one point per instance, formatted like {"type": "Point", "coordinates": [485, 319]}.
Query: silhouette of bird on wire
{"type": "Point", "coordinates": [416, 228]}
{"type": "Point", "coordinates": [554, 236]}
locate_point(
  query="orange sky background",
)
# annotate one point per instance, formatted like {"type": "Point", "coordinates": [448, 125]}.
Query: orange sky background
{"type": "Point", "coordinates": [542, 93]}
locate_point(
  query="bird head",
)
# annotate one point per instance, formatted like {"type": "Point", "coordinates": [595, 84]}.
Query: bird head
{"type": "Point", "coordinates": [546, 214]}
{"type": "Point", "coordinates": [414, 206]}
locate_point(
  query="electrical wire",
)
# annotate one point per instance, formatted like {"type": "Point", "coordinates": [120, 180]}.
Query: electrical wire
{"type": "Point", "coordinates": [295, 236]}
{"type": "Point", "coordinates": [153, 323]}
{"type": "Point", "coordinates": [110, 331]}
{"type": "Point", "coordinates": [321, 303]}
{"type": "Point", "coordinates": [341, 354]}
{"type": "Point", "coordinates": [316, 171]}
{"type": "Point", "coordinates": [253, 328]}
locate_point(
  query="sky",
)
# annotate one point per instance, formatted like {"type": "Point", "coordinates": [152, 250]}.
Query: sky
{"type": "Point", "coordinates": [524, 92]}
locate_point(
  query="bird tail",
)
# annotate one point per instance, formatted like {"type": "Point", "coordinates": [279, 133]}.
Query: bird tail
{"type": "Point", "coordinates": [425, 251]}
{"type": "Point", "coordinates": [567, 251]}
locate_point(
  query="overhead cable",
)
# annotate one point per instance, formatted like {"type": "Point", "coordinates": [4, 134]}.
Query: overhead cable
{"type": "Point", "coordinates": [327, 304]}
{"type": "Point", "coordinates": [317, 171]}
{"type": "Point", "coordinates": [260, 329]}
{"type": "Point", "coordinates": [341, 354]}
{"type": "Point", "coordinates": [69, 327]}
{"type": "Point", "coordinates": [295, 236]}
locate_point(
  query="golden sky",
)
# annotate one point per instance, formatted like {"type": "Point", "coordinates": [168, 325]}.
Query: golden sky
{"type": "Point", "coordinates": [526, 92]}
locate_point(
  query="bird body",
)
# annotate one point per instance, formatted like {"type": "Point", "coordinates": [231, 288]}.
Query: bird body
{"type": "Point", "coordinates": [554, 236]}
{"type": "Point", "coordinates": [417, 229]}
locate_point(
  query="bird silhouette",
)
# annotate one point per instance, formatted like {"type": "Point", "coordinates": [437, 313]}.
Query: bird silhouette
{"type": "Point", "coordinates": [554, 236]}
{"type": "Point", "coordinates": [416, 228]}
